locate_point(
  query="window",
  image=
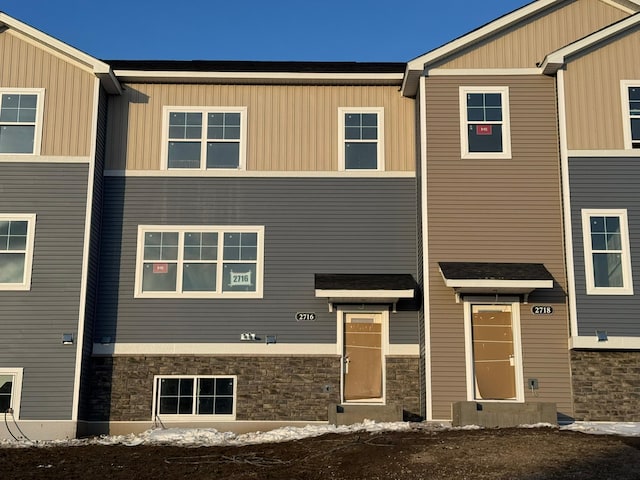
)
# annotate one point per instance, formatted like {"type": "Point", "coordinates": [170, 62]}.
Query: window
{"type": "Point", "coordinates": [195, 395]}
{"type": "Point", "coordinates": [606, 250]}
{"type": "Point", "coordinates": [10, 388]}
{"type": "Point", "coordinates": [16, 251]}
{"type": "Point", "coordinates": [631, 111]}
{"type": "Point", "coordinates": [484, 122]}
{"type": "Point", "coordinates": [20, 121]}
{"type": "Point", "coordinates": [212, 138]}
{"type": "Point", "coordinates": [361, 146]}
{"type": "Point", "coordinates": [199, 261]}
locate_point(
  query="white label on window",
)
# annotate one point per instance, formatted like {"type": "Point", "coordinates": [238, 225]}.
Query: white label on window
{"type": "Point", "coordinates": [240, 279]}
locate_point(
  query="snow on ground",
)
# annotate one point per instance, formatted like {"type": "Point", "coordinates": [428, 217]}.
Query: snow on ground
{"type": "Point", "coordinates": [201, 437]}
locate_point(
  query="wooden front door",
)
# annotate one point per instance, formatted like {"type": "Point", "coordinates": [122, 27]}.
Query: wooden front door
{"type": "Point", "coordinates": [362, 357]}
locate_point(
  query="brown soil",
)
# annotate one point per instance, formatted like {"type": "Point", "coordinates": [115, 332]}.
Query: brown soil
{"type": "Point", "coordinates": [539, 453]}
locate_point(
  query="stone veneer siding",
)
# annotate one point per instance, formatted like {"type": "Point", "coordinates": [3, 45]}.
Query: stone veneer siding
{"type": "Point", "coordinates": [606, 385]}
{"type": "Point", "coordinates": [296, 388]}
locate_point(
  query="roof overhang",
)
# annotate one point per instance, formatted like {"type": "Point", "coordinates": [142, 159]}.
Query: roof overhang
{"type": "Point", "coordinates": [365, 288]}
{"type": "Point", "coordinates": [476, 278]}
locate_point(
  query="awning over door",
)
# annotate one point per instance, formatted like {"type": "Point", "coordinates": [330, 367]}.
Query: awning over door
{"type": "Point", "coordinates": [495, 278]}
{"type": "Point", "coordinates": [365, 288]}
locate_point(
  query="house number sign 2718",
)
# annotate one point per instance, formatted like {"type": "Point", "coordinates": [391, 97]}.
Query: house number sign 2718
{"type": "Point", "coordinates": [305, 317]}
{"type": "Point", "coordinates": [542, 310]}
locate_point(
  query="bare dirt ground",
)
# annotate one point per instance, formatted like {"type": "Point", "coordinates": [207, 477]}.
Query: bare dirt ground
{"type": "Point", "coordinates": [526, 454]}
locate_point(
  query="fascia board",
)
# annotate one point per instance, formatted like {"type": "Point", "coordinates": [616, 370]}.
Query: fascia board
{"type": "Point", "coordinates": [364, 293]}
{"type": "Point", "coordinates": [475, 283]}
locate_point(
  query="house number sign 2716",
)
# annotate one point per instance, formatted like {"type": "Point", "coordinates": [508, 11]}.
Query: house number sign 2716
{"type": "Point", "coordinates": [305, 317]}
{"type": "Point", "coordinates": [542, 310]}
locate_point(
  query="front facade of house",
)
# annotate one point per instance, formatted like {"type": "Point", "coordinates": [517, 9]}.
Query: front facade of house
{"type": "Point", "coordinates": [251, 244]}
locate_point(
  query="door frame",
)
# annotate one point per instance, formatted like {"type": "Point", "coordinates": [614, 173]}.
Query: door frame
{"type": "Point", "coordinates": [514, 302]}
{"type": "Point", "coordinates": [383, 311]}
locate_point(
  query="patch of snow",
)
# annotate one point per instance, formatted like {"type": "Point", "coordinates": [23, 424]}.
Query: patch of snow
{"type": "Point", "coordinates": [626, 429]}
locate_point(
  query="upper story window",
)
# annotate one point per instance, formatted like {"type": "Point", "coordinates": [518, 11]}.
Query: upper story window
{"type": "Point", "coordinates": [606, 252]}
{"type": "Point", "coordinates": [199, 261]}
{"type": "Point", "coordinates": [484, 122]}
{"type": "Point", "coordinates": [631, 113]}
{"type": "Point", "coordinates": [361, 139]}
{"type": "Point", "coordinates": [20, 121]}
{"type": "Point", "coordinates": [16, 251]}
{"type": "Point", "coordinates": [10, 389]}
{"type": "Point", "coordinates": [205, 138]}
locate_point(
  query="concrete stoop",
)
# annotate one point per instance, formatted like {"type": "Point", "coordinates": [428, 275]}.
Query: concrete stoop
{"type": "Point", "coordinates": [494, 414]}
{"type": "Point", "coordinates": [347, 414]}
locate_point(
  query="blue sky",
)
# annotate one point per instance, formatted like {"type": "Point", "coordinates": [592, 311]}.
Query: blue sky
{"type": "Point", "coordinates": [328, 30]}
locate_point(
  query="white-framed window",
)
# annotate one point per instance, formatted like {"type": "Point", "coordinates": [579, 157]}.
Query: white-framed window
{"type": "Point", "coordinates": [21, 114]}
{"type": "Point", "coordinates": [208, 138]}
{"type": "Point", "coordinates": [485, 130]}
{"type": "Point", "coordinates": [199, 261]}
{"type": "Point", "coordinates": [203, 396]}
{"type": "Point", "coordinates": [17, 232]}
{"type": "Point", "coordinates": [607, 257]}
{"type": "Point", "coordinates": [10, 389]}
{"type": "Point", "coordinates": [631, 113]}
{"type": "Point", "coordinates": [361, 142]}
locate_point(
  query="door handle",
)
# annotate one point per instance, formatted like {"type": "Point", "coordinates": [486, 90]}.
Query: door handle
{"type": "Point", "coordinates": [346, 364]}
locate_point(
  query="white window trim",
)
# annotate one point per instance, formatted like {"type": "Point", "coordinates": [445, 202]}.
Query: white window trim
{"type": "Point", "coordinates": [28, 257]}
{"type": "Point", "coordinates": [626, 116]}
{"type": "Point", "coordinates": [627, 289]}
{"type": "Point", "coordinates": [181, 229]}
{"type": "Point", "coordinates": [37, 140]}
{"type": "Point", "coordinates": [517, 347]}
{"type": "Point", "coordinates": [193, 417]}
{"type": "Point", "coordinates": [242, 161]}
{"type": "Point", "coordinates": [342, 111]}
{"type": "Point", "coordinates": [16, 389]}
{"type": "Point", "coordinates": [506, 123]}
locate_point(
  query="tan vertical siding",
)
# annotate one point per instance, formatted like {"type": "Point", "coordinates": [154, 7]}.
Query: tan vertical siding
{"type": "Point", "coordinates": [525, 45]}
{"type": "Point", "coordinates": [496, 211]}
{"type": "Point", "coordinates": [593, 94]}
{"type": "Point", "coordinates": [68, 93]}
{"type": "Point", "coordinates": [289, 128]}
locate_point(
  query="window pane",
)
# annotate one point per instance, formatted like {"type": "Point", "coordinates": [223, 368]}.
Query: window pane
{"type": "Point", "coordinates": [206, 386]}
{"type": "Point", "coordinates": [169, 386]}
{"type": "Point", "coordinates": [223, 155]}
{"type": "Point", "coordinates": [612, 224]}
{"type": "Point", "coordinates": [607, 269]}
{"type": "Point", "coordinates": [186, 386]}
{"type": "Point", "coordinates": [361, 156]}
{"type": "Point", "coordinates": [17, 242]}
{"type": "Point", "coordinates": [224, 126]}
{"type": "Point", "coordinates": [614, 241]}
{"type": "Point", "coordinates": [6, 385]}
{"type": "Point", "coordinates": [597, 224]}
{"type": "Point", "coordinates": [18, 227]}
{"type": "Point", "coordinates": [475, 114]}
{"type": "Point", "coordinates": [185, 125]}
{"type": "Point", "coordinates": [224, 406]}
{"type": "Point", "coordinates": [199, 277]}
{"type": "Point", "coordinates": [184, 155]}
{"type": "Point", "coordinates": [12, 267]}
{"type": "Point", "coordinates": [475, 100]}
{"type": "Point", "coordinates": [239, 277]}
{"type": "Point", "coordinates": [240, 246]}
{"type": "Point", "coordinates": [598, 241]}
{"type": "Point", "coordinates": [634, 93]}
{"type": "Point", "coordinates": [205, 406]}
{"type": "Point", "coordinates": [369, 133]}
{"type": "Point", "coordinates": [493, 114]}
{"type": "Point", "coordinates": [185, 406]}
{"type": "Point", "coordinates": [159, 277]}
{"type": "Point", "coordinates": [635, 128]}
{"type": "Point", "coordinates": [485, 138]}
{"type": "Point", "coordinates": [352, 133]}
{"type": "Point", "coordinates": [224, 386]}
{"type": "Point", "coordinates": [4, 227]}
{"type": "Point", "coordinates": [169, 405]}
{"type": "Point", "coordinates": [493, 99]}
{"type": "Point", "coordinates": [16, 139]}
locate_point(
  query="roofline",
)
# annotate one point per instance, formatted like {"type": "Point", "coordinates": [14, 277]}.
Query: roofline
{"type": "Point", "coordinates": [99, 68]}
{"type": "Point", "coordinates": [557, 59]}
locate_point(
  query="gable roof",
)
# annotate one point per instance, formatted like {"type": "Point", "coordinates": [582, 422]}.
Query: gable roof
{"type": "Point", "coordinates": [416, 66]}
{"type": "Point", "coordinates": [99, 68]}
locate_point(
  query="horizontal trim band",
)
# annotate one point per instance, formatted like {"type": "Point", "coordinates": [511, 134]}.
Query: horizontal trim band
{"type": "Point", "coordinates": [603, 153]}
{"type": "Point", "coordinates": [612, 343]}
{"type": "Point", "coordinates": [6, 158]}
{"type": "Point", "coordinates": [269, 174]}
{"type": "Point", "coordinates": [484, 72]}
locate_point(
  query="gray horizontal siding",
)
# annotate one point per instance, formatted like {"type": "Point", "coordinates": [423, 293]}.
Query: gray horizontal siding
{"type": "Point", "coordinates": [32, 322]}
{"type": "Point", "coordinates": [311, 226]}
{"type": "Point", "coordinates": [606, 183]}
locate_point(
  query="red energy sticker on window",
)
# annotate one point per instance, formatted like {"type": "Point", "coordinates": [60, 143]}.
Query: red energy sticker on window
{"type": "Point", "coordinates": [160, 268]}
{"type": "Point", "coordinates": [484, 129]}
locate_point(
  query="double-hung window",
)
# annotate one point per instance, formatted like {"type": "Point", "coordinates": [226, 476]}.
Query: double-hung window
{"type": "Point", "coordinates": [10, 388]}
{"type": "Point", "coordinates": [205, 138]}
{"type": "Point", "coordinates": [361, 144]}
{"type": "Point", "coordinates": [199, 261]}
{"type": "Point", "coordinates": [484, 122]}
{"type": "Point", "coordinates": [16, 250]}
{"type": "Point", "coordinates": [204, 396]}
{"type": "Point", "coordinates": [606, 251]}
{"type": "Point", "coordinates": [631, 113]}
{"type": "Point", "coordinates": [20, 121]}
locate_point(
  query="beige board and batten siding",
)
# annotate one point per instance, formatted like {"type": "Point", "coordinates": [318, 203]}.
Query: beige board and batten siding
{"type": "Point", "coordinates": [525, 44]}
{"type": "Point", "coordinates": [290, 127]}
{"type": "Point", "coordinates": [506, 210]}
{"type": "Point", "coordinates": [593, 93]}
{"type": "Point", "coordinates": [68, 92]}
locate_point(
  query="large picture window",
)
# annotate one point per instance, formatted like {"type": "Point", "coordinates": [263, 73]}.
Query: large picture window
{"type": "Point", "coordinates": [199, 261]}
{"type": "Point", "coordinates": [205, 138]}
{"type": "Point", "coordinates": [204, 396]}
{"type": "Point", "coordinates": [16, 251]}
{"type": "Point", "coordinates": [606, 250]}
{"type": "Point", "coordinates": [484, 122]}
{"type": "Point", "coordinates": [361, 135]}
{"type": "Point", "coordinates": [20, 121]}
